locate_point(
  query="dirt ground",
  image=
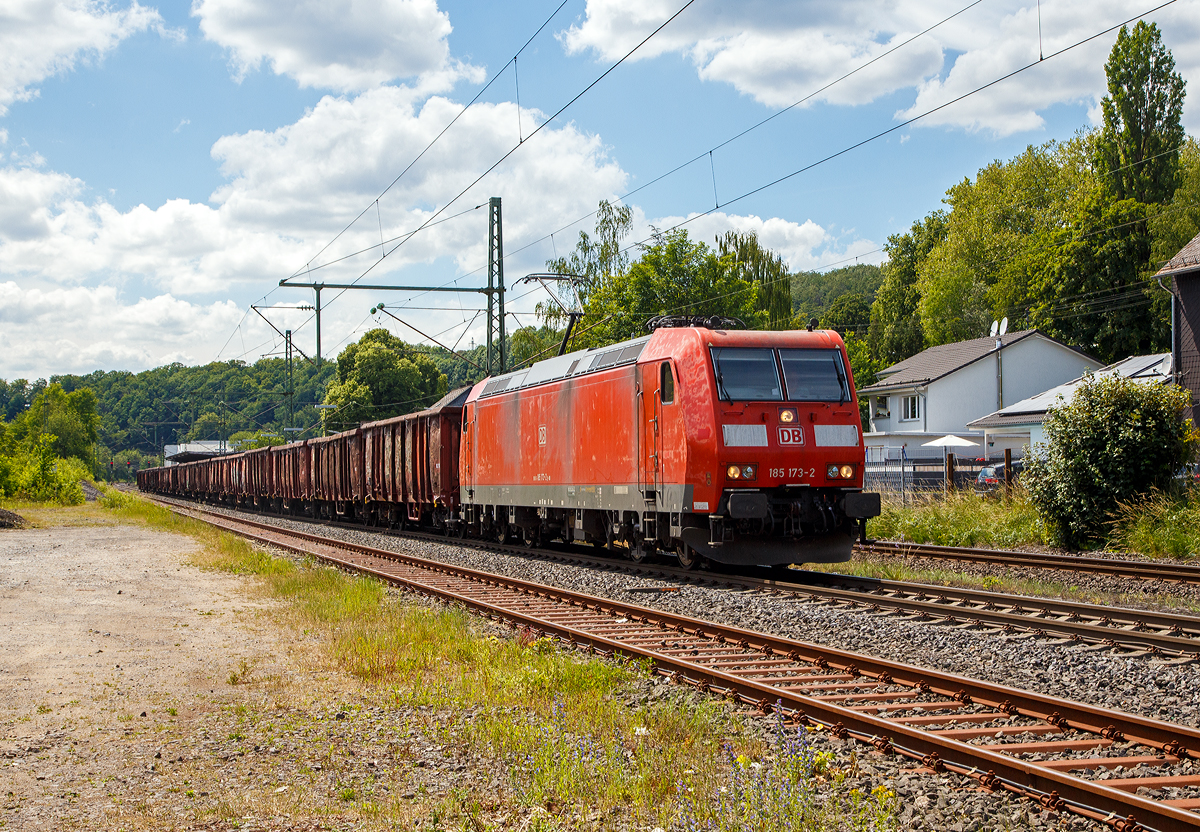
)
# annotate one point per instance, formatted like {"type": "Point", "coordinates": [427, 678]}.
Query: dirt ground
{"type": "Point", "coordinates": [139, 692]}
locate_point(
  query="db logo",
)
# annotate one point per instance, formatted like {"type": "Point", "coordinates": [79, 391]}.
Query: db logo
{"type": "Point", "coordinates": [791, 436]}
{"type": "Point", "coordinates": [541, 434]}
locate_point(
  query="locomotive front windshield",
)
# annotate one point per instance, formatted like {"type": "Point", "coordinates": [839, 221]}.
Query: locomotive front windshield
{"type": "Point", "coordinates": [815, 376]}
{"type": "Point", "coordinates": [747, 374]}
{"type": "Point", "coordinates": [752, 374]}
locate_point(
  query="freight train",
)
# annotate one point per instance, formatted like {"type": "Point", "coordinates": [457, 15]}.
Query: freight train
{"type": "Point", "coordinates": [699, 442]}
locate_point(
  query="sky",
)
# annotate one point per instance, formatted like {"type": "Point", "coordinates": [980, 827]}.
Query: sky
{"type": "Point", "coordinates": [163, 166]}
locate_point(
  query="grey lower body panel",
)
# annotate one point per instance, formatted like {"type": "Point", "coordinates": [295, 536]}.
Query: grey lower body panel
{"type": "Point", "coordinates": [833, 547]}
{"type": "Point", "coordinates": [606, 497]}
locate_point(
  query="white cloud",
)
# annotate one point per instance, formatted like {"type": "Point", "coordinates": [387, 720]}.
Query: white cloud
{"type": "Point", "coordinates": [346, 46]}
{"type": "Point", "coordinates": [780, 53]}
{"type": "Point", "coordinates": [41, 38]}
{"type": "Point", "coordinates": [79, 329]}
{"type": "Point", "coordinates": [291, 190]}
{"type": "Point", "coordinates": [803, 245]}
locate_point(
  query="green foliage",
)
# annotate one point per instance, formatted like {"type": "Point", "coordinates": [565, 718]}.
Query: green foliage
{"type": "Point", "coordinates": [764, 268]}
{"type": "Point", "coordinates": [35, 473]}
{"type": "Point", "coordinates": [1139, 145]}
{"type": "Point", "coordinates": [70, 418]}
{"type": "Point", "coordinates": [1160, 525]}
{"type": "Point", "coordinates": [380, 376]}
{"type": "Point", "coordinates": [850, 314]}
{"type": "Point", "coordinates": [174, 403]}
{"type": "Point", "coordinates": [864, 369]}
{"type": "Point", "coordinates": [1113, 443]}
{"type": "Point", "coordinates": [673, 275]}
{"type": "Point", "coordinates": [813, 291]}
{"type": "Point", "coordinates": [962, 519]}
{"type": "Point", "coordinates": [1174, 225]}
{"type": "Point", "coordinates": [895, 331]}
{"type": "Point", "coordinates": [599, 258]}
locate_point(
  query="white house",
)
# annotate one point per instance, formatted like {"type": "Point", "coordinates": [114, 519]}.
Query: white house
{"type": "Point", "coordinates": [1021, 422]}
{"type": "Point", "coordinates": [943, 389]}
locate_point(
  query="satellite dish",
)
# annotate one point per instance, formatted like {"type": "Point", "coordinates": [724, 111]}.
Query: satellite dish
{"type": "Point", "coordinates": [1004, 326]}
{"type": "Point", "coordinates": [995, 326]}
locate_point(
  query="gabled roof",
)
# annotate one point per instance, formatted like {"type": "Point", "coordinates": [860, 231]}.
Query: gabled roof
{"type": "Point", "coordinates": [1188, 259]}
{"type": "Point", "coordinates": [1150, 369]}
{"type": "Point", "coordinates": [938, 362]}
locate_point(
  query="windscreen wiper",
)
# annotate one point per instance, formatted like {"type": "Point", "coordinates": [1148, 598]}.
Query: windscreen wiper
{"type": "Point", "coordinates": [721, 379]}
{"type": "Point", "coordinates": [843, 393]}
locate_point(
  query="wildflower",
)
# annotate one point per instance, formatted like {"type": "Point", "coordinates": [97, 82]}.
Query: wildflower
{"type": "Point", "coordinates": [688, 771]}
{"type": "Point", "coordinates": [756, 764]}
{"type": "Point", "coordinates": [640, 731]}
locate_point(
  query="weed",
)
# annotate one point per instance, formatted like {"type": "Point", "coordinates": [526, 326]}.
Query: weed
{"type": "Point", "coordinates": [1161, 525]}
{"type": "Point", "coordinates": [173, 711]}
{"type": "Point", "coordinates": [242, 673]}
{"type": "Point", "coordinates": [44, 709]}
{"type": "Point", "coordinates": [962, 519]}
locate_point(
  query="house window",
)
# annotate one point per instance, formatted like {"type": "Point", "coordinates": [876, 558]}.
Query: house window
{"type": "Point", "coordinates": [912, 408]}
{"type": "Point", "coordinates": [882, 411]}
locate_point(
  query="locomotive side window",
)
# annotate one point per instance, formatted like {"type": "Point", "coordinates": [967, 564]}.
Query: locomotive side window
{"type": "Point", "coordinates": [746, 374]}
{"type": "Point", "coordinates": [815, 375]}
{"type": "Point", "coordinates": [666, 383]}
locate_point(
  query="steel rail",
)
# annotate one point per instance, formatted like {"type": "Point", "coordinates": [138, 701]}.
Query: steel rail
{"type": "Point", "coordinates": [765, 670]}
{"type": "Point", "coordinates": [1166, 635]}
{"type": "Point", "coordinates": [1147, 570]}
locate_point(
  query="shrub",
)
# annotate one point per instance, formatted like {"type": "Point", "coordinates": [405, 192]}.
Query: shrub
{"type": "Point", "coordinates": [1114, 442]}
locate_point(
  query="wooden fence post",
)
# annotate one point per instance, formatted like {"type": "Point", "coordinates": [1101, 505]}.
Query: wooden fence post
{"type": "Point", "coordinates": [1007, 472]}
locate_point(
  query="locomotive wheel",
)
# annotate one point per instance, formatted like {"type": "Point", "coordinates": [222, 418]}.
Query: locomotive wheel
{"type": "Point", "coordinates": [688, 559]}
{"type": "Point", "coordinates": [639, 552]}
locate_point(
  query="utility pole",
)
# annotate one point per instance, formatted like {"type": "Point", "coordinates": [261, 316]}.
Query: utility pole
{"type": "Point", "coordinates": [291, 390]}
{"type": "Point", "coordinates": [497, 351]}
{"type": "Point", "coordinates": [496, 357]}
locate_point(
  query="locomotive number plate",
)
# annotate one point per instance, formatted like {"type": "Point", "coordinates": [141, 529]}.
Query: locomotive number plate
{"type": "Point", "coordinates": [791, 436]}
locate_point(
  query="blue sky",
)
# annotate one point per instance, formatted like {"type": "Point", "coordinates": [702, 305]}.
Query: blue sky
{"type": "Point", "coordinates": [165, 165]}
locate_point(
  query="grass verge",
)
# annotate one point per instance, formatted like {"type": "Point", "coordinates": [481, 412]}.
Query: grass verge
{"type": "Point", "coordinates": [579, 738]}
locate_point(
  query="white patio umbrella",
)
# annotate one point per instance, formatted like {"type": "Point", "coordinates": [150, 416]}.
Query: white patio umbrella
{"type": "Point", "coordinates": [948, 441]}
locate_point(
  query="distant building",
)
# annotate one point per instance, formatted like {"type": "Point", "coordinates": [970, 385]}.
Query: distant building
{"type": "Point", "coordinates": [1184, 272]}
{"type": "Point", "coordinates": [1021, 422]}
{"type": "Point", "coordinates": [193, 451]}
{"type": "Point", "coordinates": [944, 388]}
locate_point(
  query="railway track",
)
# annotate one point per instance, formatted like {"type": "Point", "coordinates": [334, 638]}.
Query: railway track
{"type": "Point", "coordinates": [1042, 748]}
{"type": "Point", "coordinates": [1146, 570]}
{"type": "Point", "coordinates": [1170, 636]}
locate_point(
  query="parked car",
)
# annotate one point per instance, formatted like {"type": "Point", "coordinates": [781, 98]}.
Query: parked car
{"type": "Point", "coordinates": [991, 477]}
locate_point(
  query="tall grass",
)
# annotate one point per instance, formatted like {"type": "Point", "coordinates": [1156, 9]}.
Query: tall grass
{"type": "Point", "coordinates": [961, 519]}
{"type": "Point", "coordinates": [1161, 525]}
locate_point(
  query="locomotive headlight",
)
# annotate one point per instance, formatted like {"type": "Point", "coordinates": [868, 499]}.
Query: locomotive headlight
{"type": "Point", "coordinates": [748, 472]}
{"type": "Point", "coordinates": [787, 415]}
{"type": "Point", "coordinates": [847, 471]}
{"type": "Point", "coordinates": [832, 472]}
{"type": "Point", "coordinates": [734, 472]}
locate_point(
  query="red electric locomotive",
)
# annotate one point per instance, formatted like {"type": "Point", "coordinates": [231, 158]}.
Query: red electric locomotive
{"type": "Point", "coordinates": [740, 447]}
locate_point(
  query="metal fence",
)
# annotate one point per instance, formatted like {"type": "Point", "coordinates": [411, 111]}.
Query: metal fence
{"type": "Point", "coordinates": [906, 477]}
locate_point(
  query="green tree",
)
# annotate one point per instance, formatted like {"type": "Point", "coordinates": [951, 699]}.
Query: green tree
{"type": "Point", "coordinates": [813, 291]}
{"type": "Point", "coordinates": [381, 376]}
{"type": "Point", "coordinates": [1115, 441]}
{"type": "Point", "coordinates": [1174, 225]}
{"type": "Point", "coordinates": [850, 314]}
{"type": "Point", "coordinates": [1139, 144]}
{"type": "Point", "coordinates": [896, 331]}
{"type": "Point", "coordinates": [764, 268]}
{"type": "Point", "coordinates": [676, 276]}
{"type": "Point", "coordinates": [598, 258]}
